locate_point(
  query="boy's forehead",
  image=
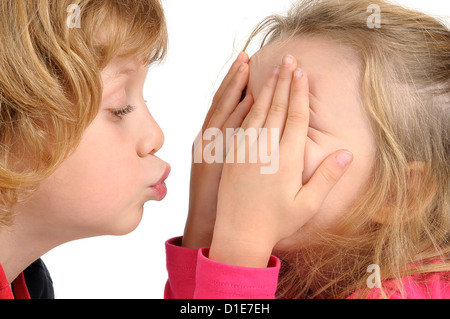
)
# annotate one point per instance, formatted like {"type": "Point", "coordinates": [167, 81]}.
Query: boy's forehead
{"type": "Point", "coordinates": [130, 63]}
{"type": "Point", "coordinates": [123, 66]}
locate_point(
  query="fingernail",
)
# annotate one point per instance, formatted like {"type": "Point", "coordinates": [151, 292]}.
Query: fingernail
{"type": "Point", "coordinates": [241, 68]}
{"type": "Point", "coordinates": [298, 73]}
{"type": "Point", "coordinates": [239, 57]}
{"type": "Point", "coordinates": [344, 158]}
{"type": "Point", "coordinates": [287, 60]}
{"type": "Point", "coordinates": [276, 70]}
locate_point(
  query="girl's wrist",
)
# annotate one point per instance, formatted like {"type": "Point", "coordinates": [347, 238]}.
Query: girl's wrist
{"type": "Point", "coordinates": [196, 235]}
{"type": "Point", "coordinates": [240, 252]}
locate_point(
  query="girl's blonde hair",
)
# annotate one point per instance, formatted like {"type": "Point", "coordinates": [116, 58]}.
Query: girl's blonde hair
{"type": "Point", "coordinates": [50, 83]}
{"type": "Point", "coordinates": [402, 222]}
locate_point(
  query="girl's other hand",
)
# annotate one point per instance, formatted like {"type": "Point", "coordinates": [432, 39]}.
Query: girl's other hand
{"type": "Point", "coordinates": [227, 111]}
{"type": "Point", "coordinates": [255, 211]}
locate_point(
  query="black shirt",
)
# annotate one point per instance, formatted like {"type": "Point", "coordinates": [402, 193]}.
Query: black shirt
{"type": "Point", "coordinates": [38, 280]}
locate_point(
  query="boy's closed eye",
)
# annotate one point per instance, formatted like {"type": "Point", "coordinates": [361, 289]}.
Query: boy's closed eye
{"type": "Point", "coordinates": [122, 112]}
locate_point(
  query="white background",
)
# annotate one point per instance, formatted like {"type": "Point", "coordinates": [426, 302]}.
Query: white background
{"type": "Point", "coordinates": [205, 37]}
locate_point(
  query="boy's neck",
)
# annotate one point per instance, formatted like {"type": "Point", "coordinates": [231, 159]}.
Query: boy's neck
{"type": "Point", "coordinates": [21, 245]}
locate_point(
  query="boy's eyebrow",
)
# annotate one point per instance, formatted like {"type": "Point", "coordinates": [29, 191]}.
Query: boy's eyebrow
{"type": "Point", "coordinates": [127, 71]}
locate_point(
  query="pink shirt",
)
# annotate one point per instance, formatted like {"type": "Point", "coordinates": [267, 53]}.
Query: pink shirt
{"type": "Point", "coordinates": [191, 274]}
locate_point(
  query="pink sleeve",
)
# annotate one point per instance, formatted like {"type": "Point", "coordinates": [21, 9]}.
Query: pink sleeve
{"type": "Point", "coordinates": [220, 281]}
{"type": "Point", "coordinates": [181, 264]}
{"type": "Point", "coordinates": [193, 275]}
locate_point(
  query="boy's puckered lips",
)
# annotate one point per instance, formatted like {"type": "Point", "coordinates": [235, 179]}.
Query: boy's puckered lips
{"type": "Point", "coordinates": [159, 188]}
{"type": "Point", "coordinates": [164, 176]}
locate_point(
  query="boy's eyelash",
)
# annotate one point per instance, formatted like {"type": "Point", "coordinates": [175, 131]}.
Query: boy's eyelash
{"type": "Point", "coordinates": [121, 113]}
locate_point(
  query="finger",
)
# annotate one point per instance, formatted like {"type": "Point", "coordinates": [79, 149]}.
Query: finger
{"type": "Point", "coordinates": [258, 114]}
{"type": "Point", "coordinates": [234, 121]}
{"type": "Point", "coordinates": [280, 104]}
{"type": "Point", "coordinates": [242, 58]}
{"type": "Point", "coordinates": [237, 117]}
{"type": "Point", "coordinates": [314, 193]}
{"type": "Point", "coordinates": [297, 122]}
{"type": "Point", "coordinates": [230, 97]}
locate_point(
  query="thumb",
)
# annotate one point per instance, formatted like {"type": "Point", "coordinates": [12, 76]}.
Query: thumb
{"type": "Point", "coordinates": [324, 179]}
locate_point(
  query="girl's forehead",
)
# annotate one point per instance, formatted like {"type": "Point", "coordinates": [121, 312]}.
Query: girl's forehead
{"type": "Point", "coordinates": [309, 51]}
{"type": "Point", "coordinates": [329, 64]}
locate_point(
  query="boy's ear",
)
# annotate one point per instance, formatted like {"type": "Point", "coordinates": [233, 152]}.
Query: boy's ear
{"type": "Point", "coordinates": [418, 197]}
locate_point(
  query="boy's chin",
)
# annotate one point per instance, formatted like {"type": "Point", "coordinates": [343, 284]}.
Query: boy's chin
{"type": "Point", "coordinates": [127, 224]}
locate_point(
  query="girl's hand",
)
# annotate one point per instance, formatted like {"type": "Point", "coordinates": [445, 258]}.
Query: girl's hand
{"type": "Point", "coordinates": [255, 211]}
{"type": "Point", "coordinates": [227, 111]}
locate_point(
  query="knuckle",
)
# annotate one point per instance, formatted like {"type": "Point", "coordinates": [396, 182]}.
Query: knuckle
{"type": "Point", "coordinates": [285, 76]}
{"type": "Point", "coordinates": [269, 86]}
{"type": "Point", "coordinates": [278, 107]}
{"type": "Point", "coordinates": [234, 83]}
{"type": "Point", "coordinates": [218, 111]}
{"type": "Point", "coordinates": [329, 175]}
{"type": "Point", "coordinates": [298, 117]}
{"type": "Point", "coordinates": [258, 113]}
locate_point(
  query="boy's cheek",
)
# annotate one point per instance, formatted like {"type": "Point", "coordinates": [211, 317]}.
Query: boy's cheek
{"type": "Point", "coordinates": [83, 205]}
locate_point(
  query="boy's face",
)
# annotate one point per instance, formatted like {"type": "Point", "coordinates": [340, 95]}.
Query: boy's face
{"type": "Point", "coordinates": [102, 187]}
{"type": "Point", "coordinates": [337, 118]}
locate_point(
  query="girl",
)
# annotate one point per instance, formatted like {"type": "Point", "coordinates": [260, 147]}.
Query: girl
{"type": "Point", "coordinates": [379, 86]}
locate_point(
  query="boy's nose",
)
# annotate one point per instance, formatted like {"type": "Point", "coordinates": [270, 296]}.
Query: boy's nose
{"type": "Point", "coordinates": [152, 138]}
